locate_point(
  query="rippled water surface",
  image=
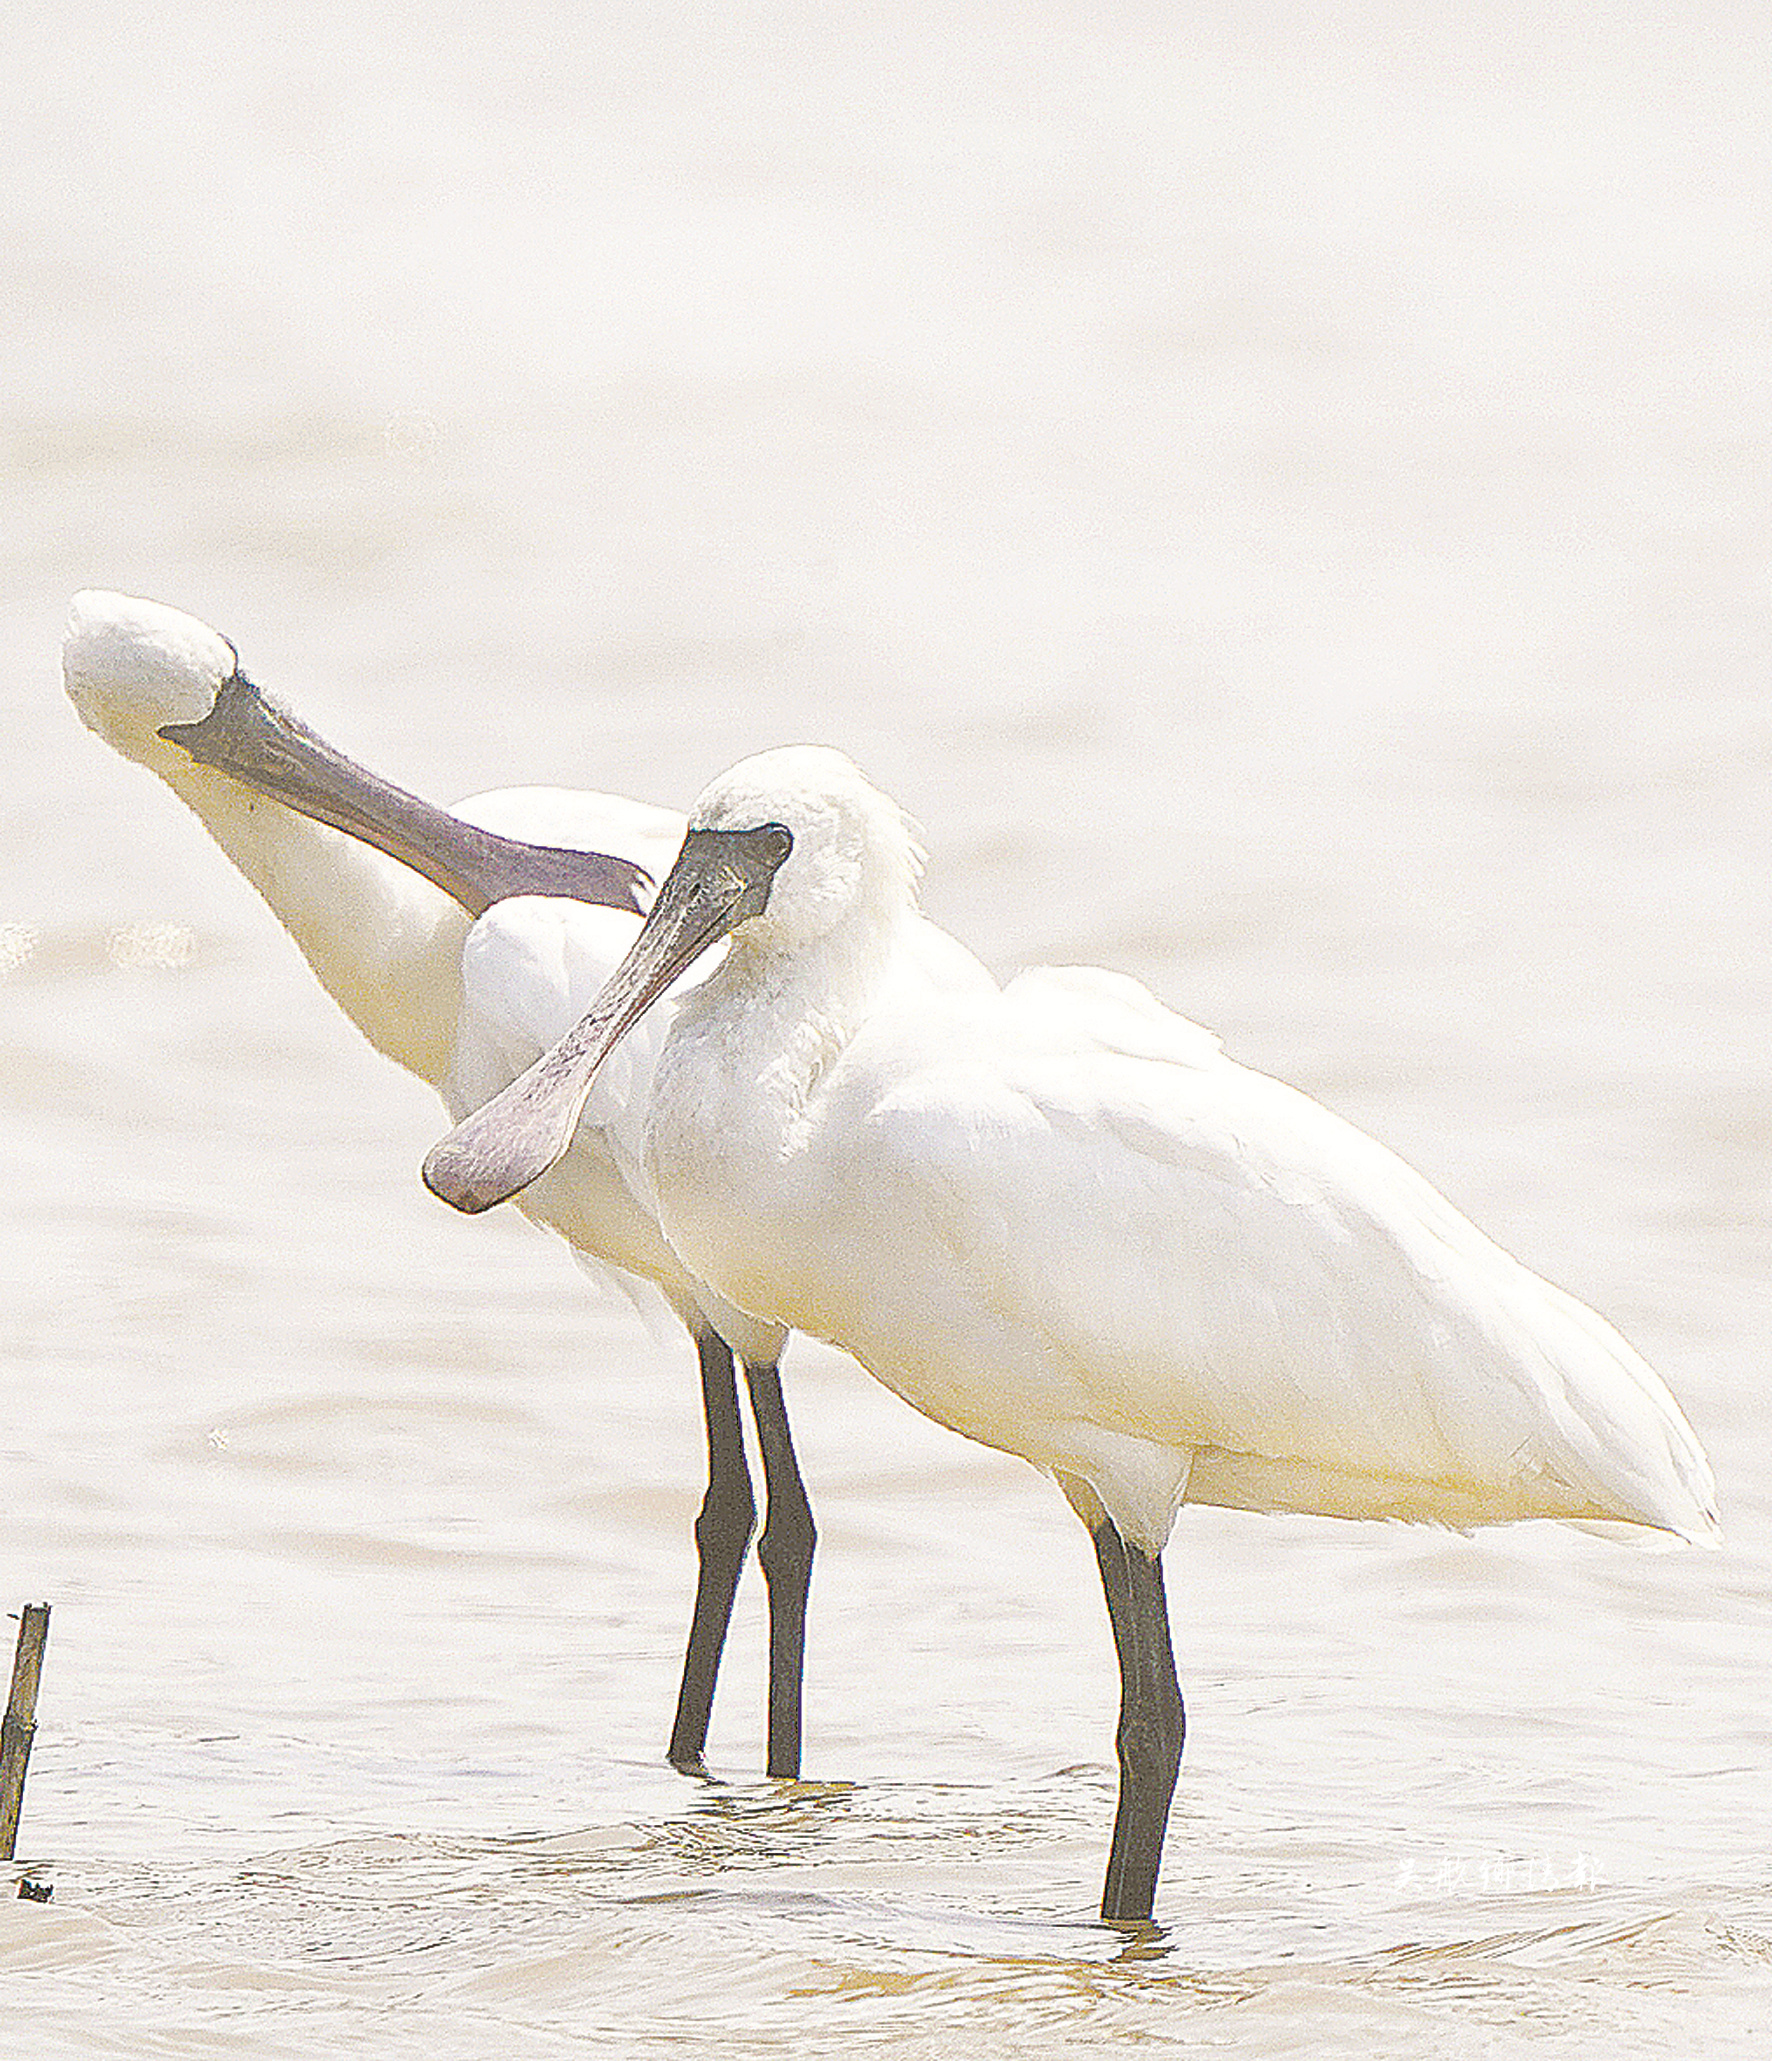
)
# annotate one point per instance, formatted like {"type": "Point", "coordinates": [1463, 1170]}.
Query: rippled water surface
{"type": "Point", "coordinates": [1281, 496]}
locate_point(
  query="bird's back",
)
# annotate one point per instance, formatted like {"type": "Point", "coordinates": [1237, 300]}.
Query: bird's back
{"type": "Point", "coordinates": [1110, 1242]}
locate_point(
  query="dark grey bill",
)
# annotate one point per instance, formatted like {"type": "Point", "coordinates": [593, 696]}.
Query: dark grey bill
{"type": "Point", "coordinates": [721, 877]}
{"type": "Point", "coordinates": [269, 751]}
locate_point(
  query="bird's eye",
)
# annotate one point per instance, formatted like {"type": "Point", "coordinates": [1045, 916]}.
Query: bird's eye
{"type": "Point", "coordinates": [777, 841]}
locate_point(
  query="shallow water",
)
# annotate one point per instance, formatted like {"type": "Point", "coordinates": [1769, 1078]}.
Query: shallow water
{"type": "Point", "coordinates": [1282, 500]}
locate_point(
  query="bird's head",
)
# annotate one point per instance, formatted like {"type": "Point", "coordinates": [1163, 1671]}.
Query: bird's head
{"type": "Point", "coordinates": [133, 667]}
{"type": "Point", "coordinates": [850, 853]}
{"type": "Point", "coordinates": [790, 852]}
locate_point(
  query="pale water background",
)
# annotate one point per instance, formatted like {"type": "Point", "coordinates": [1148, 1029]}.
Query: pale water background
{"type": "Point", "coordinates": [1281, 493]}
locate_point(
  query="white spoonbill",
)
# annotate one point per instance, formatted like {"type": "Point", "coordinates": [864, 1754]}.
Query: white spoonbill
{"type": "Point", "coordinates": [1059, 1220]}
{"type": "Point", "coordinates": [466, 1005]}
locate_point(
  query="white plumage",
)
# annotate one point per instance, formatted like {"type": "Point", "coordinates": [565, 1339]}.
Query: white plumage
{"type": "Point", "coordinates": [1059, 1220]}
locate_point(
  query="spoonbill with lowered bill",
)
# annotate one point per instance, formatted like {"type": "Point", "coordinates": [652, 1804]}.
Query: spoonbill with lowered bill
{"type": "Point", "coordinates": [1059, 1220]}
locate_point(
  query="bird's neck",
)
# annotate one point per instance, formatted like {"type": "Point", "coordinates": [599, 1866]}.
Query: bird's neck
{"type": "Point", "coordinates": [385, 944]}
{"type": "Point", "coordinates": [737, 1099]}
{"type": "Point", "coordinates": [797, 1013]}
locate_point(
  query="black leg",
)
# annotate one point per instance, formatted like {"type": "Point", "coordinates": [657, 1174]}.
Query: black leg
{"type": "Point", "coordinates": [785, 1550]}
{"type": "Point", "coordinates": [722, 1538]}
{"type": "Point", "coordinates": [1151, 1723]}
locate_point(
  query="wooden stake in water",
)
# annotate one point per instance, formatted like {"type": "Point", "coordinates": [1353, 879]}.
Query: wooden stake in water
{"type": "Point", "coordinates": [20, 1724]}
